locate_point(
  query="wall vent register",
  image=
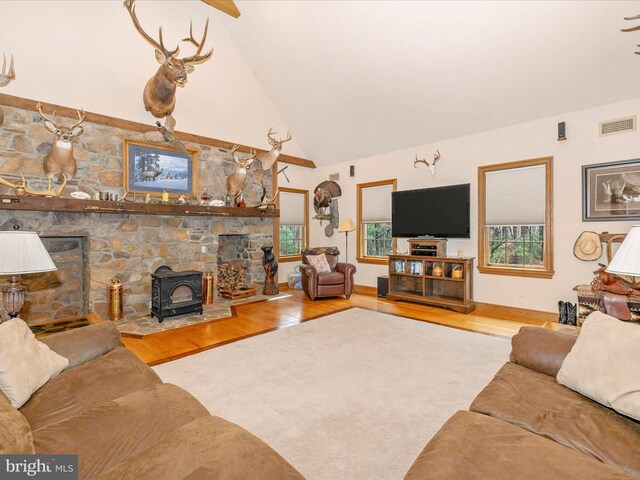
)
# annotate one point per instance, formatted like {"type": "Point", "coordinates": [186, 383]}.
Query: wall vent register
{"type": "Point", "coordinates": [619, 125]}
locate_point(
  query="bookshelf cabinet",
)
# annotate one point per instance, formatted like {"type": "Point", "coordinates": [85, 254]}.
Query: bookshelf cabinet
{"type": "Point", "coordinates": [440, 281]}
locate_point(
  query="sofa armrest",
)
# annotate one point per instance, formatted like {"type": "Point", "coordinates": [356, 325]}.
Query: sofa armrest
{"type": "Point", "coordinates": [309, 271]}
{"type": "Point", "coordinates": [346, 268]}
{"type": "Point", "coordinates": [81, 345]}
{"type": "Point", "coordinates": [541, 349]}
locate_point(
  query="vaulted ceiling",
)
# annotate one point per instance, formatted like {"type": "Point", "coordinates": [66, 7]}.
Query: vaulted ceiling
{"type": "Point", "coordinates": [358, 78]}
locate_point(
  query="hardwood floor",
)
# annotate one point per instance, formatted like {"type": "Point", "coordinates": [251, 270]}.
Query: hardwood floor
{"type": "Point", "coordinates": [256, 318]}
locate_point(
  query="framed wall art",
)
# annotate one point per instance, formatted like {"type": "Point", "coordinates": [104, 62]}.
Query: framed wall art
{"type": "Point", "coordinates": [152, 168]}
{"type": "Point", "coordinates": [611, 191]}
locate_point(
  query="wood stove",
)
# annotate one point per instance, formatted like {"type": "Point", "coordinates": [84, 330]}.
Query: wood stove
{"type": "Point", "coordinates": [175, 293]}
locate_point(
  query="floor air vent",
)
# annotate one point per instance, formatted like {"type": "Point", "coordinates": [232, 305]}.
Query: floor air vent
{"type": "Point", "coordinates": [620, 125]}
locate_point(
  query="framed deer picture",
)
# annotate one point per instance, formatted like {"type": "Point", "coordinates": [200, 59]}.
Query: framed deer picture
{"type": "Point", "coordinates": [153, 169]}
{"type": "Point", "coordinates": [611, 191]}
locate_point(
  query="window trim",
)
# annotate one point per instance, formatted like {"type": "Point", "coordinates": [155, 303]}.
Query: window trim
{"type": "Point", "coordinates": [360, 249]}
{"type": "Point", "coordinates": [305, 233]}
{"type": "Point", "coordinates": [483, 245]}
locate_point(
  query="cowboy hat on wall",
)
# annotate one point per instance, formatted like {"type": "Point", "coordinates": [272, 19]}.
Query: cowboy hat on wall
{"type": "Point", "coordinates": [588, 246]}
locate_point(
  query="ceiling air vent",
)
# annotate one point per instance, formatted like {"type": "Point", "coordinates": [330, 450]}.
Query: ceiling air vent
{"type": "Point", "coordinates": [334, 177]}
{"type": "Point", "coordinates": [620, 125]}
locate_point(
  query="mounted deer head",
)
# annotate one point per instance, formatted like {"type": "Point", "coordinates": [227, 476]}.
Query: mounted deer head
{"type": "Point", "coordinates": [59, 162]}
{"type": "Point", "coordinates": [160, 92]}
{"type": "Point", "coordinates": [235, 181]}
{"type": "Point", "coordinates": [267, 159]}
{"type": "Point", "coordinates": [432, 165]}
{"type": "Point", "coordinates": [6, 78]}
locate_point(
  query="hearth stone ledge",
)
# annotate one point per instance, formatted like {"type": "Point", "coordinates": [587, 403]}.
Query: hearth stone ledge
{"type": "Point", "coordinates": [133, 246]}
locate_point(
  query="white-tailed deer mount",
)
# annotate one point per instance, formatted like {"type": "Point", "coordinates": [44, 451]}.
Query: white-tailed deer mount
{"type": "Point", "coordinates": [160, 92]}
{"type": "Point", "coordinates": [6, 77]}
{"type": "Point", "coordinates": [21, 189]}
{"type": "Point", "coordinates": [235, 181]}
{"type": "Point", "coordinates": [59, 162]}
{"type": "Point", "coordinates": [432, 165]}
{"type": "Point", "coordinates": [267, 159]}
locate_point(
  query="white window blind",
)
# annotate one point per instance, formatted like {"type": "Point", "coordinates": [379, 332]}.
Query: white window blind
{"type": "Point", "coordinates": [376, 204]}
{"type": "Point", "coordinates": [291, 208]}
{"type": "Point", "coordinates": [515, 196]}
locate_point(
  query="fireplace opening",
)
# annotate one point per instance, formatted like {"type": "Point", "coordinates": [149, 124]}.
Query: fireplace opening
{"type": "Point", "coordinates": [175, 293]}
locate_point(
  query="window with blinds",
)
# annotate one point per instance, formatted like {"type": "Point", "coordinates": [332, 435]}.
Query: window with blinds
{"type": "Point", "coordinates": [374, 221]}
{"type": "Point", "coordinates": [515, 209]}
{"type": "Point", "coordinates": [293, 223]}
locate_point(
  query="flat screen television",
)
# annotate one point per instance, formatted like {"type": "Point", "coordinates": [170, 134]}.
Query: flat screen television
{"type": "Point", "coordinates": [437, 212]}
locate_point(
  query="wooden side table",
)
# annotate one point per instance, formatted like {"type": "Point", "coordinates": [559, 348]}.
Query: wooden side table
{"type": "Point", "coordinates": [561, 327]}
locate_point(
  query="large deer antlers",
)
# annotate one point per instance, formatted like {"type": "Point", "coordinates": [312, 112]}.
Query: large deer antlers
{"type": "Point", "coordinates": [7, 77]}
{"type": "Point", "coordinates": [196, 57]}
{"type": "Point", "coordinates": [159, 46]}
{"type": "Point", "coordinates": [432, 165]}
{"type": "Point", "coordinates": [19, 189]}
{"type": "Point", "coordinates": [632, 29]}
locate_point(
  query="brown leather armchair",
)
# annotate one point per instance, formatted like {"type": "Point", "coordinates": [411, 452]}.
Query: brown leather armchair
{"type": "Point", "coordinates": [339, 281]}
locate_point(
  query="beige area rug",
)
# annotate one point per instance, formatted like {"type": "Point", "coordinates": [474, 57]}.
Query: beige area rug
{"type": "Point", "coordinates": [354, 395]}
{"type": "Point", "coordinates": [143, 324]}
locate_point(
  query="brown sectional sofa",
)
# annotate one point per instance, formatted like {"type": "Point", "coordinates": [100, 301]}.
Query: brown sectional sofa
{"type": "Point", "coordinates": [124, 423]}
{"type": "Point", "coordinates": [524, 425]}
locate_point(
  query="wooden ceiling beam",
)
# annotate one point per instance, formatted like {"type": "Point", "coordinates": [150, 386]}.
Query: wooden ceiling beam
{"type": "Point", "coordinates": [226, 6]}
{"type": "Point", "coordinates": [28, 104]}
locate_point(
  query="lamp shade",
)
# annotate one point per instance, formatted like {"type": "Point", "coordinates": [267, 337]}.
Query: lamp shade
{"type": "Point", "coordinates": [346, 225]}
{"type": "Point", "coordinates": [626, 261]}
{"type": "Point", "coordinates": [23, 252]}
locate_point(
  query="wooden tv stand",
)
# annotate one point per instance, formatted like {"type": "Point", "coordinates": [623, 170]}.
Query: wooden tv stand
{"type": "Point", "coordinates": [412, 278]}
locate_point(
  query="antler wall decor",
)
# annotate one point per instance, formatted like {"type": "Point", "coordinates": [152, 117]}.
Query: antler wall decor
{"type": "Point", "coordinates": [59, 161]}
{"type": "Point", "coordinates": [267, 159]}
{"type": "Point", "coordinates": [632, 29]}
{"type": "Point", "coordinates": [268, 202]}
{"type": "Point", "coordinates": [21, 189]}
{"type": "Point", "coordinates": [160, 91]}
{"type": "Point", "coordinates": [432, 165]}
{"type": "Point", "coordinates": [6, 77]}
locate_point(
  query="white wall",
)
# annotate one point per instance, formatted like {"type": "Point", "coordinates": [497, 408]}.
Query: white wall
{"type": "Point", "coordinates": [460, 159]}
{"type": "Point", "coordinates": [88, 54]}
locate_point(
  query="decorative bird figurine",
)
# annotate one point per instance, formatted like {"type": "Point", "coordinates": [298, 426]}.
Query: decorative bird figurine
{"type": "Point", "coordinates": [323, 194]}
{"type": "Point", "coordinates": [165, 134]}
{"type": "Point", "coordinates": [432, 165]}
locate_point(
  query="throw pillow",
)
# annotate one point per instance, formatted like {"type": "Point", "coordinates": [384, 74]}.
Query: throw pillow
{"type": "Point", "coordinates": [319, 262]}
{"type": "Point", "coordinates": [604, 364]}
{"type": "Point", "coordinates": [25, 363]}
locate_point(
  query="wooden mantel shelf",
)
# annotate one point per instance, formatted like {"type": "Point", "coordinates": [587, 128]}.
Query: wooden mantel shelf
{"type": "Point", "coordinates": [48, 204]}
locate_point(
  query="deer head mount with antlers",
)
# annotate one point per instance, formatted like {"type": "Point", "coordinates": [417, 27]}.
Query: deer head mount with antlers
{"type": "Point", "coordinates": [432, 165]}
{"type": "Point", "coordinates": [6, 77]}
{"type": "Point", "coordinates": [235, 181]}
{"type": "Point", "coordinates": [160, 92]}
{"type": "Point", "coordinates": [267, 159]}
{"type": "Point", "coordinates": [59, 162]}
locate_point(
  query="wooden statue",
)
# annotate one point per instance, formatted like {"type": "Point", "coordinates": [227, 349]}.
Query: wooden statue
{"type": "Point", "coordinates": [270, 265]}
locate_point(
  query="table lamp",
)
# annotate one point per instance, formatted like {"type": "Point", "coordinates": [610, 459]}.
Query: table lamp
{"type": "Point", "coordinates": [346, 226]}
{"type": "Point", "coordinates": [626, 261]}
{"type": "Point", "coordinates": [20, 252]}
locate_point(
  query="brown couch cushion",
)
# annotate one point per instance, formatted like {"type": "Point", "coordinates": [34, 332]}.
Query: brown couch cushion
{"type": "Point", "coordinates": [82, 345]}
{"type": "Point", "coordinates": [536, 402]}
{"type": "Point", "coordinates": [332, 278]}
{"type": "Point", "coordinates": [105, 435]}
{"type": "Point", "coordinates": [106, 378]}
{"type": "Point", "coordinates": [208, 448]}
{"type": "Point", "coordinates": [477, 447]}
{"type": "Point", "coordinates": [541, 349]}
{"type": "Point", "coordinates": [15, 432]}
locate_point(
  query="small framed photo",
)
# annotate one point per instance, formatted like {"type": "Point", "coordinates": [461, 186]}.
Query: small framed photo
{"type": "Point", "coordinates": [611, 191]}
{"type": "Point", "coordinates": [154, 169]}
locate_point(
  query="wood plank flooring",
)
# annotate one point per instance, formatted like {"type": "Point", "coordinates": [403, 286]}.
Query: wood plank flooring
{"type": "Point", "coordinates": [256, 318]}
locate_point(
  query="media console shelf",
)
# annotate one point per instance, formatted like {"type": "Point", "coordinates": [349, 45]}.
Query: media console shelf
{"type": "Point", "coordinates": [433, 280]}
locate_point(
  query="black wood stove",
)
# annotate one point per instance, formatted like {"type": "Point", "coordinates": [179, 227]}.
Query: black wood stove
{"type": "Point", "coordinates": [175, 293]}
